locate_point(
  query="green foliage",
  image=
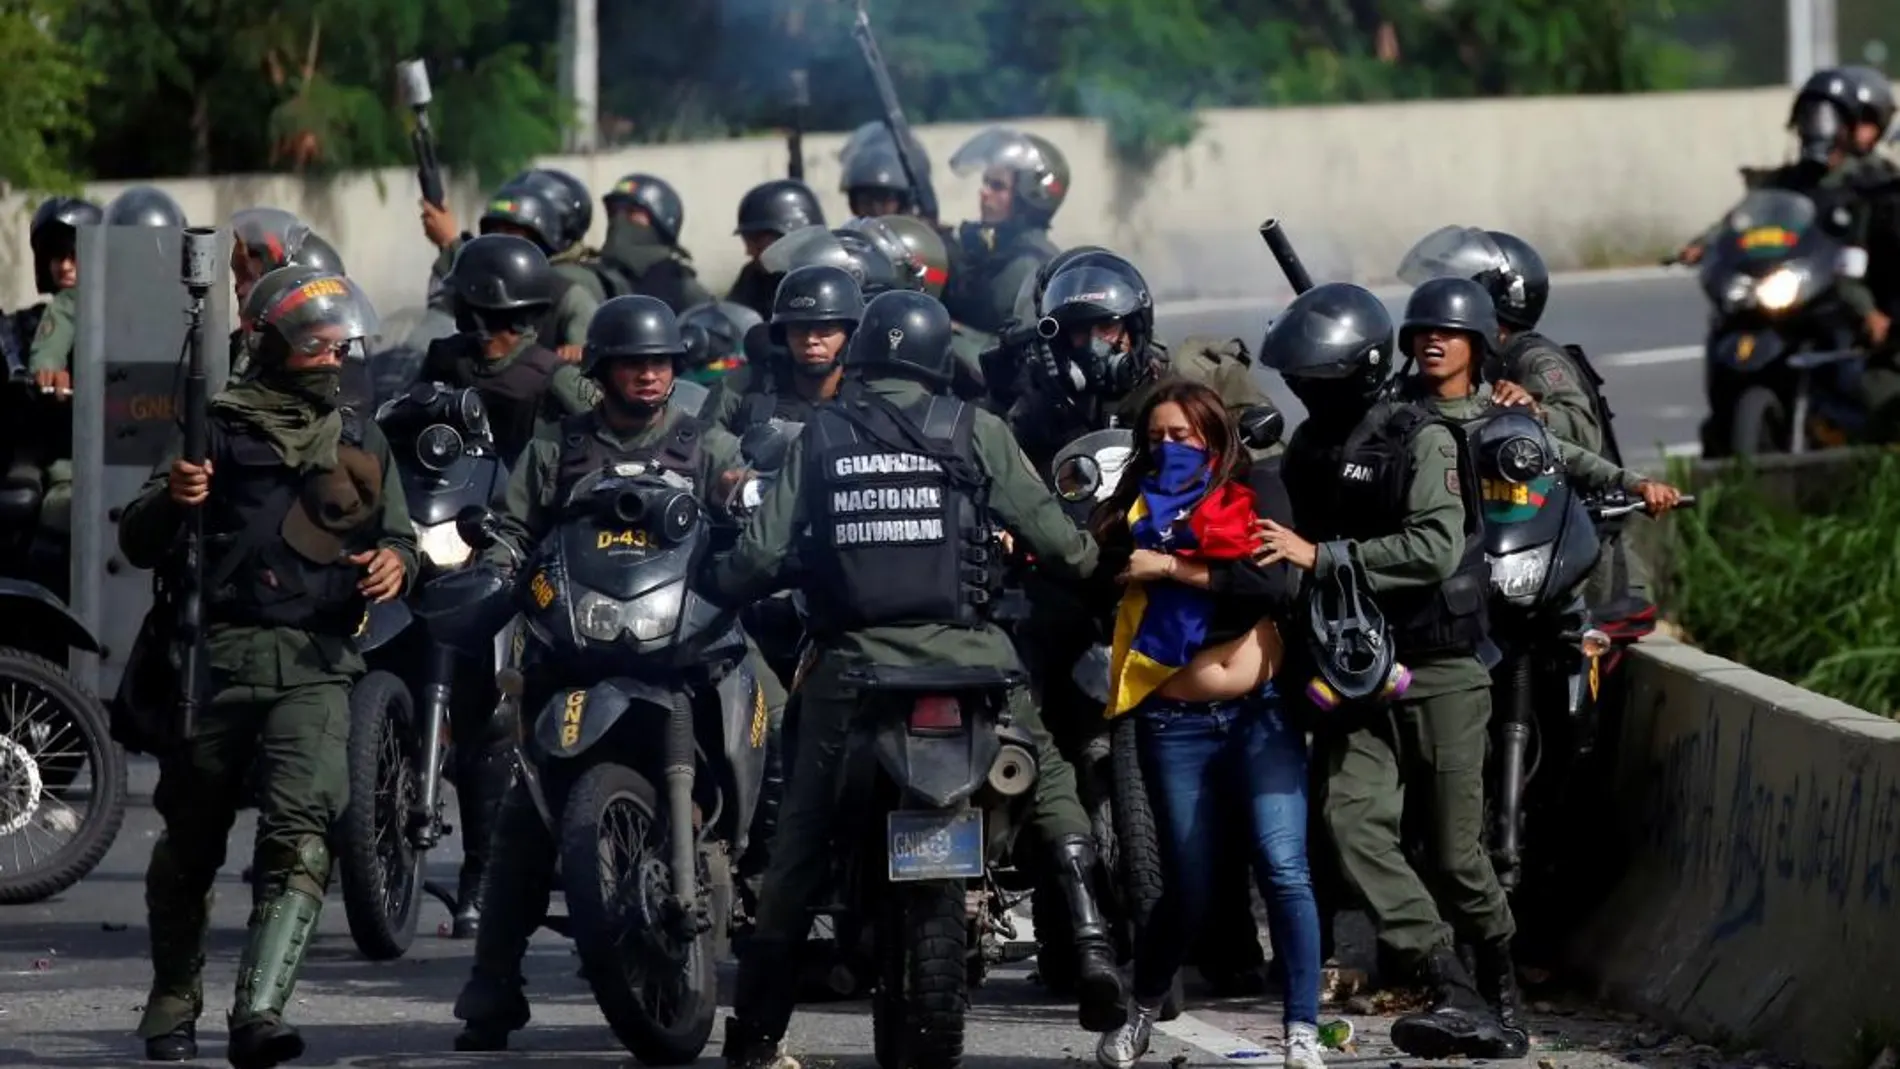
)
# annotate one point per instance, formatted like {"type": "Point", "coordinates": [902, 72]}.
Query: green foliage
{"type": "Point", "coordinates": [43, 85]}
{"type": "Point", "coordinates": [1813, 599]}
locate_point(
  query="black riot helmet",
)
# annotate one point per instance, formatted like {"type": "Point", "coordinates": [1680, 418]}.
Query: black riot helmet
{"type": "Point", "coordinates": [527, 214]}
{"type": "Point", "coordinates": [818, 293]}
{"type": "Point", "coordinates": [501, 272]}
{"type": "Point", "coordinates": [633, 325]}
{"type": "Point", "coordinates": [1089, 292]}
{"type": "Point", "coordinates": [54, 234]}
{"type": "Point", "coordinates": [715, 335]}
{"type": "Point", "coordinates": [144, 206]}
{"type": "Point", "coordinates": [1873, 93]}
{"type": "Point", "coordinates": [1525, 289]}
{"type": "Point", "coordinates": [875, 172]}
{"type": "Point", "coordinates": [572, 202]}
{"type": "Point", "coordinates": [1457, 304]}
{"type": "Point", "coordinates": [316, 252]}
{"type": "Point", "coordinates": [778, 207]}
{"type": "Point", "coordinates": [855, 252]}
{"type": "Point", "coordinates": [903, 332]}
{"type": "Point", "coordinates": [1029, 297]}
{"type": "Point", "coordinates": [275, 238]}
{"type": "Point", "coordinates": [1834, 100]}
{"type": "Point", "coordinates": [1333, 346]}
{"type": "Point", "coordinates": [655, 196]}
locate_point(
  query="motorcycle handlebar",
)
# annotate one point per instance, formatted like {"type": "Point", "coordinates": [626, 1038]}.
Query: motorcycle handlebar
{"type": "Point", "coordinates": [1626, 507]}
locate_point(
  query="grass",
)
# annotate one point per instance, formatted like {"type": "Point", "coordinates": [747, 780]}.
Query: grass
{"type": "Point", "coordinates": [1810, 598]}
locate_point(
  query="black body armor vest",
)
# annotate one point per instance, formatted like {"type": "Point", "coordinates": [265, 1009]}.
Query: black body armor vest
{"type": "Point", "coordinates": [584, 453]}
{"type": "Point", "coordinates": [514, 396]}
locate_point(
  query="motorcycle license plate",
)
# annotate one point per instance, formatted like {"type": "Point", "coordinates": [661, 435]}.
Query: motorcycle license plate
{"type": "Point", "coordinates": [929, 845]}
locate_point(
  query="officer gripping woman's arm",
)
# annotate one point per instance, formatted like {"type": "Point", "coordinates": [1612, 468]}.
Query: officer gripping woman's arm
{"type": "Point", "coordinates": [305, 524]}
{"type": "Point", "coordinates": [882, 599]}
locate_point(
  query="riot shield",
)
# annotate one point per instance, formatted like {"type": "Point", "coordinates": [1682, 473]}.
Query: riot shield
{"type": "Point", "coordinates": [128, 377]}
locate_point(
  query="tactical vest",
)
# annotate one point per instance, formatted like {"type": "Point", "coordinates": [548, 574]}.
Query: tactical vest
{"type": "Point", "coordinates": [548, 327]}
{"type": "Point", "coordinates": [583, 452]}
{"type": "Point", "coordinates": [761, 406]}
{"type": "Point", "coordinates": [17, 332]}
{"type": "Point", "coordinates": [664, 281]}
{"type": "Point", "coordinates": [252, 578]}
{"type": "Point", "coordinates": [1357, 488]}
{"type": "Point", "coordinates": [514, 396]}
{"type": "Point", "coordinates": [900, 522]}
{"type": "Point", "coordinates": [1511, 361]}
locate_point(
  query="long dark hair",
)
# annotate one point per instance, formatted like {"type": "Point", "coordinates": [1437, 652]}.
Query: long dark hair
{"type": "Point", "coordinates": [1208, 415]}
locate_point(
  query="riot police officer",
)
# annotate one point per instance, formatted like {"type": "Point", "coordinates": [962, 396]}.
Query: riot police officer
{"type": "Point", "coordinates": [572, 203]}
{"type": "Point", "coordinates": [932, 259]}
{"type": "Point", "coordinates": [1025, 180]}
{"type": "Point", "coordinates": [634, 351]}
{"type": "Point", "coordinates": [1102, 358]}
{"type": "Point", "coordinates": [813, 315]}
{"type": "Point", "coordinates": [501, 287]}
{"type": "Point", "coordinates": [874, 181]}
{"type": "Point", "coordinates": [54, 239]}
{"type": "Point", "coordinates": [767, 213]}
{"type": "Point", "coordinates": [263, 240]}
{"type": "Point", "coordinates": [1382, 486]}
{"type": "Point", "coordinates": [643, 253]}
{"type": "Point", "coordinates": [715, 335]}
{"type": "Point", "coordinates": [305, 524]}
{"type": "Point", "coordinates": [878, 601]}
{"type": "Point", "coordinates": [524, 211]}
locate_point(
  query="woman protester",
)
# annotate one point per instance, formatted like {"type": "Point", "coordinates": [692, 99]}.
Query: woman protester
{"type": "Point", "coordinates": [1195, 651]}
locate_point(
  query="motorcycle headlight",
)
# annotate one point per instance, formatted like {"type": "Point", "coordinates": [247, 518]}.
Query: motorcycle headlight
{"type": "Point", "coordinates": [597, 617]}
{"type": "Point", "coordinates": [1779, 291]}
{"type": "Point", "coordinates": [1517, 577]}
{"type": "Point", "coordinates": [441, 546]}
{"type": "Point", "coordinates": [651, 615]}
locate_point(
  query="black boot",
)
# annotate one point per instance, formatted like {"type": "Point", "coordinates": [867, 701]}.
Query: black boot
{"type": "Point", "coordinates": [1497, 982]}
{"type": "Point", "coordinates": [178, 1045]}
{"type": "Point", "coordinates": [747, 1048]}
{"type": "Point", "coordinates": [1459, 1024]}
{"type": "Point", "coordinates": [762, 1001]}
{"type": "Point", "coordinates": [516, 891]}
{"type": "Point", "coordinates": [1103, 1002]}
{"type": "Point", "coordinates": [483, 779]}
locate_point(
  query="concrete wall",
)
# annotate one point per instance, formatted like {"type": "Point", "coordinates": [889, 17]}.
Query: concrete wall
{"type": "Point", "coordinates": [1355, 186]}
{"type": "Point", "coordinates": [1759, 908]}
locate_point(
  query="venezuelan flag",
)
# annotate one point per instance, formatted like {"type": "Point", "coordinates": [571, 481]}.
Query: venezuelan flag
{"type": "Point", "coordinates": [1160, 626]}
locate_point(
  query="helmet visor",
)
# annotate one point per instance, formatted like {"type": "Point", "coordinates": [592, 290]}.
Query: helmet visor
{"type": "Point", "coordinates": [1088, 294]}
{"type": "Point", "coordinates": [874, 136]}
{"type": "Point", "coordinates": [805, 247]}
{"type": "Point", "coordinates": [325, 313]}
{"type": "Point", "coordinates": [998, 147]}
{"type": "Point", "coordinates": [270, 236]}
{"type": "Point", "coordinates": [881, 235]}
{"type": "Point", "coordinates": [1453, 252]}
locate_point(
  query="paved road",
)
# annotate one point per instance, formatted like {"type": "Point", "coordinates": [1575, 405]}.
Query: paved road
{"type": "Point", "coordinates": [73, 974]}
{"type": "Point", "coordinates": [1642, 328]}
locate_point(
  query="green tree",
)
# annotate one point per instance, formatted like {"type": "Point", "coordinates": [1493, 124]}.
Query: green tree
{"type": "Point", "coordinates": [43, 85]}
{"type": "Point", "coordinates": [308, 85]}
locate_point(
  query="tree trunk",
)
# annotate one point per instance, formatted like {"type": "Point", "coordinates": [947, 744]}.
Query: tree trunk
{"type": "Point", "coordinates": [200, 131]}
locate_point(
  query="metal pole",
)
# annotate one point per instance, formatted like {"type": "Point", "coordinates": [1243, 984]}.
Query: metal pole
{"type": "Point", "coordinates": [1827, 34]}
{"type": "Point", "coordinates": [1800, 40]}
{"type": "Point", "coordinates": [580, 71]}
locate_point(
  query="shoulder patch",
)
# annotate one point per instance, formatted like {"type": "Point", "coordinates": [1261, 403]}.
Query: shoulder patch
{"type": "Point", "coordinates": [1451, 481]}
{"type": "Point", "coordinates": [1553, 376]}
{"type": "Point", "coordinates": [46, 326]}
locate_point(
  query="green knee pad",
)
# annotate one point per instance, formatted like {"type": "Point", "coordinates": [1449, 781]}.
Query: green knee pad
{"type": "Point", "coordinates": [303, 867]}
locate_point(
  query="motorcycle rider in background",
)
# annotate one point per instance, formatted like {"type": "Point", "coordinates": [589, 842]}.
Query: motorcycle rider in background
{"type": "Point", "coordinates": [1839, 115]}
{"type": "Point", "coordinates": [634, 350]}
{"type": "Point", "coordinates": [1025, 180]}
{"type": "Point", "coordinates": [642, 253]}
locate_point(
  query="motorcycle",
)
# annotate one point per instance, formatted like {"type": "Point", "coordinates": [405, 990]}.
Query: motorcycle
{"type": "Point", "coordinates": [646, 760]}
{"type": "Point", "coordinates": [445, 455]}
{"type": "Point", "coordinates": [1783, 368]}
{"type": "Point", "coordinates": [62, 778]}
{"type": "Point", "coordinates": [1541, 540]}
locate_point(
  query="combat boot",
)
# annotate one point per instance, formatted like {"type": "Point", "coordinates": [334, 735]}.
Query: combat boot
{"type": "Point", "coordinates": [1497, 982]}
{"type": "Point", "coordinates": [281, 929]}
{"type": "Point", "coordinates": [178, 915]}
{"type": "Point", "coordinates": [479, 789]}
{"type": "Point", "coordinates": [516, 888]}
{"type": "Point", "coordinates": [1458, 1024]}
{"type": "Point", "coordinates": [1102, 1001]}
{"type": "Point", "coordinates": [747, 1048]}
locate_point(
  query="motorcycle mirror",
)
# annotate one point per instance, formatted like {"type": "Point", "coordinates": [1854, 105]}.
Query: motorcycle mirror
{"type": "Point", "coordinates": [476, 526]}
{"type": "Point", "coordinates": [1261, 426]}
{"type": "Point", "coordinates": [1077, 478]}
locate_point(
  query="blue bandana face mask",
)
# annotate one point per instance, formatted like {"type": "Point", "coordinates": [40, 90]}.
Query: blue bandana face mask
{"type": "Point", "coordinates": [1178, 466]}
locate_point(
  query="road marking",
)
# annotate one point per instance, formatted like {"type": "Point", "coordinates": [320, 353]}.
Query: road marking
{"type": "Point", "coordinates": [1672, 354]}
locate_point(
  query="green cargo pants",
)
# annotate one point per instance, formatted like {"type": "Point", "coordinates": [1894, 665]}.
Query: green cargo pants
{"type": "Point", "coordinates": [1420, 765]}
{"type": "Point", "coordinates": [801, 864]}
{"type": "Point", "coordinates": [299, 738]}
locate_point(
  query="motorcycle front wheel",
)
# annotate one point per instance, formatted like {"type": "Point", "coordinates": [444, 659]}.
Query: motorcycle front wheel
{"type": "Point", "coordinates": [1760, 424]}
{"type": "Point", "coordinates": [62, 780]}
{"type": "Point", "coordinates": [381, 870]}
{"type": "Point", "coordinates": [654, 983]}
{"type": "Point", "coordinates": [917, 1015]}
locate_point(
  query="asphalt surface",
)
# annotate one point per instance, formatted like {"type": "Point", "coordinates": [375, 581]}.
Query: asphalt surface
{"type": "Point", "coordinates": [1642, 328]}
{"type": "Point", "coordinates": [73, 974]}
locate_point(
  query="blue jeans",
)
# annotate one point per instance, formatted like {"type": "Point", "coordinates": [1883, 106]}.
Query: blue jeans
{"type": "Point", "coordinates": [1205, 765]}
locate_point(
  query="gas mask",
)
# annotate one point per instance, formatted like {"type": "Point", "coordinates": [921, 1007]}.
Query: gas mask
{"type": "Point", "coordinates": [1818, 125]}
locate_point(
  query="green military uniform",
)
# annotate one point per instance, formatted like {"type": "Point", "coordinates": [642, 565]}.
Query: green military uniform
{"type": "Point", "coordinates": [801, 860]}
{"type": "Point", "coordinates": [727, 397]}
{"type": "Point", "coordinates": [993, 266]}
{"type": "Point", "coordinates": [521, 870]}
{"type": "Point", "coordinates": [460, 362]}
{"type": "Point", "coordinates": [53, 351]}
{"type": "Point", "coordinates": [571, 314]}
{"type": "Point", "coordinates": [1433, 739]}
{"type": "Point", "coordinates": [575, 263]}
{"type": "Point", "coordinates": [1586, 469]}
{"type": "Point", "coordinates": [278, 699]}
{"type": "Point", "coordinates": [656, 268]}
{"type": "Point", "coordinates": [966, 348]}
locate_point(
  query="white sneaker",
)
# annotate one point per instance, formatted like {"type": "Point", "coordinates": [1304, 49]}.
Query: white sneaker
{"type": "Point", "coordinates": [1123, 1047]}
{"type": "Point", "coordinates": [1303, 1047]}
